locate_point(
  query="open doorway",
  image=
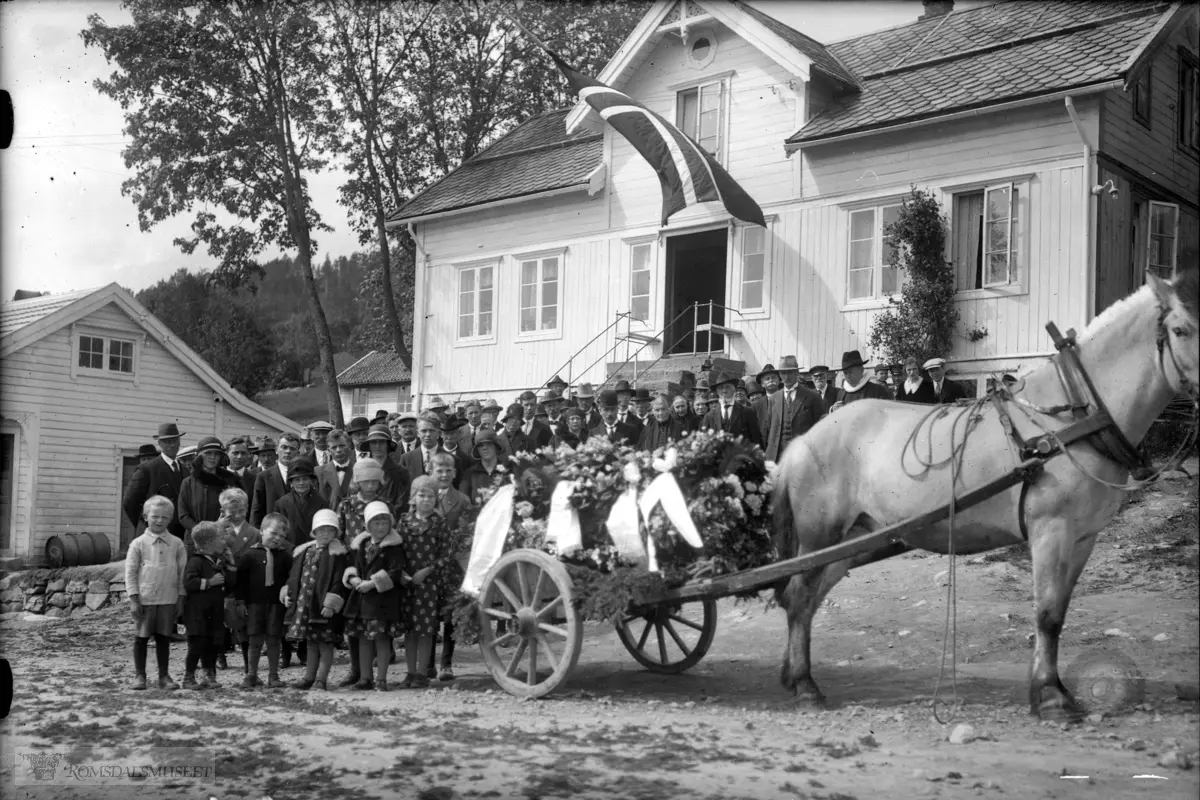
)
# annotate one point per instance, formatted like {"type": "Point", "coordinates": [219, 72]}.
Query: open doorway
{"type": "Point", "coordinates": [695, 274]}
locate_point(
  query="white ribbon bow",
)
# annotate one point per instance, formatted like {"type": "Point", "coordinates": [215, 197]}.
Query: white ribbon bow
{"type": "Point", "coordinates": [665, 489]}
{"type": "Point", "coordinates": [562, 524]}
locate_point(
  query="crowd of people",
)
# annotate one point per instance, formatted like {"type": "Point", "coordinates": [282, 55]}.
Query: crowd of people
{"type": "Point", "coordinates": [338, 538]}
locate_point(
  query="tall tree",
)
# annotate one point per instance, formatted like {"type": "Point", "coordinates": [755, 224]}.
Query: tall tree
{"type": "Point", "coordinates": [228, 108]}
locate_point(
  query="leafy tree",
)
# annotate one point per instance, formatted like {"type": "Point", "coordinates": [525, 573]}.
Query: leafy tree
{"type": "Point", "coordinates": [921, 323]}
{"type": "Point", "coordinates": [373, 332]}
{"type": "Point", "coordinates": [228, 108]}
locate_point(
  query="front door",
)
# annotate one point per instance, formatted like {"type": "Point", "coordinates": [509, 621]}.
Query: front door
{"type": "Point", "coordinates": [695, 274]}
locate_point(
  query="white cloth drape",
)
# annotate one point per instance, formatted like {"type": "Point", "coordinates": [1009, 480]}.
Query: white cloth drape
{"type": "Point", "coordinates": [491, 529]}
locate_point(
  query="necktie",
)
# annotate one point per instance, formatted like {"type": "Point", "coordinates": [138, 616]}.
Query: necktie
{"type": "Point", "coordinates": [726, 412]}
{"type": "Point", "coordinates": [611, 431]}
{"type": "Point", "coordinates": [787, 416]}
{"type": "Point", "coordinates": [270, 581]}
{"type": "Point", "coordinates": [428, 465]}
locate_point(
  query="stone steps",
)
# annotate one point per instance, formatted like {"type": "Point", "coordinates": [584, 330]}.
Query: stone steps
{"type": "Point", "coordinates": [665, 375]}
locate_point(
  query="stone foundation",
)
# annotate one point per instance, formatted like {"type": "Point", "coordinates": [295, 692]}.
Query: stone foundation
{"type": "Point", "coordinates": [44, 592]}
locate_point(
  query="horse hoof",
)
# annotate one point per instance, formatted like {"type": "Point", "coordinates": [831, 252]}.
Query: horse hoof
{"type": "Point", "coordinates": [1058, 711]}
{"type": "Point", "coordinates": [811, 701]}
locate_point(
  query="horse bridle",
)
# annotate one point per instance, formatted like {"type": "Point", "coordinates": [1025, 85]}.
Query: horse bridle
{"type": "Point", "coordinates": [1163, 342]}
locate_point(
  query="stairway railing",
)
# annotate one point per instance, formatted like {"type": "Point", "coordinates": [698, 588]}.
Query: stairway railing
{"type": "Point", "coordinates": [569, 363]}
{"type": "Point", "coordinates": [669, 350]}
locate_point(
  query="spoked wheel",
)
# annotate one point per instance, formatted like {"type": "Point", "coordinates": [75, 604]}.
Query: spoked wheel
{"type": "Point", "coordinates": [531, 633]}
{"type": "Point", "coordinates": [670, 638]}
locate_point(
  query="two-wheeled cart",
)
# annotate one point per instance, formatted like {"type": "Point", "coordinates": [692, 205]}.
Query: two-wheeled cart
{"type": "Point", "coordinates": [537, 642]}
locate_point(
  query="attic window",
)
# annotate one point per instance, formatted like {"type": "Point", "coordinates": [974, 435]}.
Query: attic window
{"type": "Point", "coordinates": [701, 48]}
{"type": "Point", "coordinates": [101, 353]}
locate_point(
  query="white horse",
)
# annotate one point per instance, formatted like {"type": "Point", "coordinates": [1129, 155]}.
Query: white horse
{"type": "Point", "coordinates": [874, 463]}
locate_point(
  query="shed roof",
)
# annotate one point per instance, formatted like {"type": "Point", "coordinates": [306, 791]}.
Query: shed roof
{"type": "Point", "coordinates": [375, 368]}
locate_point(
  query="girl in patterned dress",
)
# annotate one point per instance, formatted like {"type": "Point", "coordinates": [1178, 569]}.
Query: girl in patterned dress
{"type": "Point", "coordinates": [426, 550]}
{"type": "Point", "coordinates": [373, 608]}
{"type": "Point", "coordinates": [365, 488]}
{"type": "Point", "coordinates": [314, 597]}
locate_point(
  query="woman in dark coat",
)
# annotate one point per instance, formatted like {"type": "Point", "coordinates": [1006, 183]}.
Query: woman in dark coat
{"type": "Point", "coordinates": [914, 388]}
{"type": "Point", "coordinates": [200, 492]}
{"type": "Point", "coordinates": [302, 502]}
{"type": "Point", "coordinates": [662, 429]}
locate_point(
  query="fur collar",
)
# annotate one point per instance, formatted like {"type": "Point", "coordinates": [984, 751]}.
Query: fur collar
{"type": "Point", "coordinates": [391, 540]}
{"type": "Point", "coordinates": [336, 548]}
{"type": "Point", "coordinates": [222, 478]}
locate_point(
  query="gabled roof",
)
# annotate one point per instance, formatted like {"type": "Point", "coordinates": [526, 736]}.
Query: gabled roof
{"type": "Point", "coordinates": [824, 60]}
{"type": "Point", "coordinates": [24, 322]}
{"type": "Point", "coordinates": [375, 368]}
{"type": "Point", "coordinates": [983, 57]}
{"type": "Point", "coordinates": [535, 157]}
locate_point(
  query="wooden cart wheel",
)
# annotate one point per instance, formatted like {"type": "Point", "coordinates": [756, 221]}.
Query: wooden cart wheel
{"type": "Point", "coordinates": [529, 595]}
{"type": "Point", "coordinates": [670, 638]}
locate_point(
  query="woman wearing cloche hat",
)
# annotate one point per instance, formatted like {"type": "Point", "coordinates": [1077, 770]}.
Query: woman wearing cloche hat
{"type": "Point", "coordinates": [302, 501]}
{"type": "Point", "coordinates": [200, 492]}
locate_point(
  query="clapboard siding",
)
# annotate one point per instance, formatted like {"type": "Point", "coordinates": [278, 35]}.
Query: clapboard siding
{"type": "Point", "coordinates": [81, 427]}
{"type": "Point", "coordinates": [1033, 135]}
{"type": "Point", "coordinates": [385, 397]}
{"type": "Point", "coordinates": [759, 120]}
{"type": "Point", "coordinates": [1154, 152]}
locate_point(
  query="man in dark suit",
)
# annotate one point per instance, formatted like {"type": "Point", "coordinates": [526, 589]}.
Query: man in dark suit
{"type": "Point", "coordinates": [586, 404]}
{"type": "Point", "coordinates": [418, 461]}
{"type": "Point", "coordinates": [625, 412]}
{"type": "Point", "coordinates": [610, 426]}
{"type": "Point", "coordinates": [792, 411]}
{"type": "Point", "coordinates": [238, 451]}
{"type": "Point", "coordinates": [271, 484]}
{"type": "Point", "coordinates": [538, 432]}
{"type": "Point", "coordinates": [162, 475]}
{"type": "Point", "coordinates": [944, 390]}
{"type": "Point", "coordinates": [725, 415]}
{"type": "Point", "coordinates": [451, 427]}
{"type": "Point", "coordinates": [336, 474]}
{"type": "Point", "coordinates": [823, 384]}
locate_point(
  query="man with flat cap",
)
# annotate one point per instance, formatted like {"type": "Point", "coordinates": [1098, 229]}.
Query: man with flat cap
{"type": "Point", "coordinates": [944, 390]}
{"type": "Point", "coordinates": [856, 384]}
{"type": "Point", "coordinates": [822, 378]}
{"type": "Point", "coordinates": [792, 411]}
{"type": "Point", "coordinates": [726, 415]}
{"type": "Point", "coordinates": [610, 426]}
{"type": "Point", "coordinates": [320, 435]}
{"type": "Point", "coordinates": [162, 475]}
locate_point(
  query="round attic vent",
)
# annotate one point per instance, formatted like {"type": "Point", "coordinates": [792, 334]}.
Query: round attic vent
{"type": "Point", "coordinates": [701, 49]}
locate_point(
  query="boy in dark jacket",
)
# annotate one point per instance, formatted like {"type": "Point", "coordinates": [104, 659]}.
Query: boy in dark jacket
{"type": "Point", "coordinates": [262, 574]}
{"type": "Point", "coordinates": [315, 596]}
{"type": "Point", "coordinates": [205, 580]}
{"type": "Point", "coordinates": [303, 501]}
{"type": "Point", "coordinates": [373, 607]}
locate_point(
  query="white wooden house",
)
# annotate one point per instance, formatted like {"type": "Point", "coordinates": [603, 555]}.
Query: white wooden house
{"type": "Point", "coordinates": [376, 382]}
{"type": "Point", "coordinates": [1016, 116]}
{"type": "Point", "coordinates": [88, 377]}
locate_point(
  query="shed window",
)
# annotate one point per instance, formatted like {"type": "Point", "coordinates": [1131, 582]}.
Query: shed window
{"type": "Point", "coordinates": [403, 398]}
{"type": "Point", "coordinates": [98, 352]}
{"type": "Point", "coordinates": [358, 402]}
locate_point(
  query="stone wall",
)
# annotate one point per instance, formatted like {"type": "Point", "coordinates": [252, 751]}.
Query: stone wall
{"type": "Point", "coordinates": [42, 592]}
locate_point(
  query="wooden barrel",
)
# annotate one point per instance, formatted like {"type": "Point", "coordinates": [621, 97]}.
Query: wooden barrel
{"type": "Point", "coordinates": [78, 549]}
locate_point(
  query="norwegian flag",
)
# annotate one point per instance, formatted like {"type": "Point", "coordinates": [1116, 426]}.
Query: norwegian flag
{"type": "Point", "coordinates": [687, 173]}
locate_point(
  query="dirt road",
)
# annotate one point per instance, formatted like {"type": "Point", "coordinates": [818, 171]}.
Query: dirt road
{"type": "Point", "coordinates": [723, 730]}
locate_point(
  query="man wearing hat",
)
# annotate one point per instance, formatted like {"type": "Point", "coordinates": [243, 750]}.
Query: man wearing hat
{"type": "Point", "coordinates": [357, 430]}
{"type": "Point", "coordinates": [147, 452]}
{"type": "Point", "coordinates": [452, 444]}
{"type": "Point", "coordinates": [791, 411]}
{"type": "Point", "coordinates": [753, 390]}
{"type": "Point", "coordinates": [610, 426]}
{"type": "Point", "coordinates": [320, 434]}
{"type": "Point", "coordinates": [625, 413]}
{"type": "Point", "coordinates": [641, 405]}
{"type": "Point", "coordinates": [162, 475]}
{"type": "Point", "coordinates": [265, 454]}
{"type": "Point", "coordinates": [586, 403]}
{"type": "Point", "coordinates": [396, 479]}
{"type": "Point", "coordinates": [768, 380]}
{"type": "Point", "coordinates": [512, 439]}
{"type": "Point", "coordinates": [726, 415]}
{"type": "Point", "coordinates": [490, 413]}
{"type": "Point", "coordinates": [553, 403]}
{"type": "Point", "coordinates": [556, 385]}
{"type": "Point", "coordinates": [944, 390]}
{"type": "Point", "coordinates": [307, 445]}
{"type": "Point", "coordinates": [822, 378]}
{"type": "Point", "coordinates": [272, 483]}
{"type": "Point", "coordinates": [438, 406]}
{"type": "Point", "coordinates": [335, 475]}
{"type": "Point", "coordinates": [856, 384]}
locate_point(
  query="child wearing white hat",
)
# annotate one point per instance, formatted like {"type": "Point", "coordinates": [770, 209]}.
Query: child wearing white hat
{"type": "Point", "coordinates": [315, 596]}
{"type": "Point", "coordinates": [373, 608]}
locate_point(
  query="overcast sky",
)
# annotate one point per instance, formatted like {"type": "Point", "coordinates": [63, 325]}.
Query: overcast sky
{"type": "Point", "coordinates": [64, 224]}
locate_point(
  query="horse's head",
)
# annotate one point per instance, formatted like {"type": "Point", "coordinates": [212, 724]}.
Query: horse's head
{"type": "Point", "coordinates": [1179, 330]}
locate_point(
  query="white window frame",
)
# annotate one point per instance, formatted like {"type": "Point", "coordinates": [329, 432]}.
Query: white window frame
{"type": "Point", "coordinates": [876, 297]}
{"type": "Point", "coordinates": [477, 267]}
{"type": "Point", "coordinates": [357, 410]}
{"type": "Point", "coordinates": [725, 81]}
{"type": "Point", "coordinates": [404, 398]}
{"type": "Point", "coordinates": [136, 342]}
{"type": "Point", "coordinates": [1151, 235]}
{"type": "Point", "coordinates": [1023, 185]}
{"type": "Point", "coordinates": [1007, 224]}
{"type": "Point", "coordinates": [739, 283]}
{"type": "Point", "coordinates": [540, 256]}
{"type": "Point", "coordinates": [631, 246]}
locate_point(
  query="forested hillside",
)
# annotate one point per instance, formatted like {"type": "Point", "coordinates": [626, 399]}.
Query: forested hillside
{"type": "Point", "coordinates": [260, 338]}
